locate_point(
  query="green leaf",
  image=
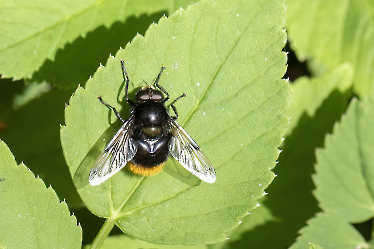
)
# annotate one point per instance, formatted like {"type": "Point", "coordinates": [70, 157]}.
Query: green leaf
{"type": "Point", "coordinates": [345, 176]}
{"type": "Point", "coordinates": [33, 134]}
{"type": "Point", "coordinates": [308, 94]}
{"type": "Point", "coordinates": [233, 110]}
{"type": "Point", "coordinates": [33, 31]}
{"type": "Point", "coordinates": [331, 231]}
{"type": "Point", "coordinates": [122, 241]}
{"type": "Point", "coordinates": [335, 32]}
{"type": "Point", "coordinates": [31, 215]}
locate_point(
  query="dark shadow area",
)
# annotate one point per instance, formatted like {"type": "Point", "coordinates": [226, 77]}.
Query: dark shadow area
{"type": "Point", "coordinates": [90, 224]}
{"type": "Point", "coordinates": [295, 67]}
{"type": "Point", "coordinates": [290, 197]}
{"type": "Point", "coordinates": [365, 229]}
{"type": "Point", "coordinates": [77, 61]}
{"type": "Point", "coordinates": [8, 90]}
{"type": "Point", "coordinates": [33, 135]}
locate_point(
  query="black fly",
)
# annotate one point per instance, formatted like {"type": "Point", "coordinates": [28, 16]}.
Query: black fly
{"type": "Point", "coordinates": [146, 139]}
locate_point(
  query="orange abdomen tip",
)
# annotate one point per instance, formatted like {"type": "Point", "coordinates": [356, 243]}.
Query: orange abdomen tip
{"type": "Point", "coordinates": [145, 171]}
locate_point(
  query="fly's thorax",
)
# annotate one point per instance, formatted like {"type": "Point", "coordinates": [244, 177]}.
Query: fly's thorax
{"type": "Point", "coordinates": [150, 114]}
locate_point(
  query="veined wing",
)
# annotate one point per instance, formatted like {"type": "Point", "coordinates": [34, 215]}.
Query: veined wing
{"type": "Point", "coordinates": [188, 153]}
{"type": "Point", "coordinates": [115, 156]}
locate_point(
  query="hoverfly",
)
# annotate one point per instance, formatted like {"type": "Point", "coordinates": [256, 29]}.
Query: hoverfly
{"type": "Point", "coordinates": [148, 137]}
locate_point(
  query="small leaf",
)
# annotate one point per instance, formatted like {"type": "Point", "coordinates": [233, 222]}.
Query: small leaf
{"type": "Point", "coordinates": [31, 91]}
{"type": "Point", "coordinates": [33, 31]}
{"type": "Point", "coordinates": [335, 32]}
{"type": "Point", "coordinates": [345, 176]}
{"type": "Point", "coordinates": [226, 56]}
{"type": "Point", "coordinates": [331, 231]}
{"type": "Point", "coordinates": [31, 215]}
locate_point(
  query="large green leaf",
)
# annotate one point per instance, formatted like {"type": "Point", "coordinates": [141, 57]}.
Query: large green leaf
{"type": "Point", "coordinates": [226, 56]}
{"type": "Point", "coordinates": [33, 31]}
{"type": "Point", "coordinates": [31, 215]}
{"type": "Point", "coordinates": [330, 231]}
{"type": "Point", "coordinates": [334, 32]}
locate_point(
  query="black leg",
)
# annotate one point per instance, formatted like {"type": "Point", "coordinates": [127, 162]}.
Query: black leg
{"type": "Point", "coordinates": [160, 87]}
{"type": "Point", "coordinates": [113, 109]}
{"type": "Point", "coordinates": [126, 79]}
{"type": "Point", "coordinates": [175, 109]}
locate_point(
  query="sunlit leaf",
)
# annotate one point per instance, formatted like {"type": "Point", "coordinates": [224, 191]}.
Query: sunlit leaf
{"type": "Point", "coordinates": [332, 232]}
{"type": "Point", "coordinates": [226, 56]}
{"type": "Point", "coordinates": [33, 31]}
{"type": "Point", "coordinates": [335, 32]}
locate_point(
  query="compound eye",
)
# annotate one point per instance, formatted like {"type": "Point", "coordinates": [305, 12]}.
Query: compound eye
{"type": "Point", "coordinates": [142, 95]}
{"type": "Point", "coordinates": [152, 131]}
{"type": "Point", "coordinates": [157, 95]}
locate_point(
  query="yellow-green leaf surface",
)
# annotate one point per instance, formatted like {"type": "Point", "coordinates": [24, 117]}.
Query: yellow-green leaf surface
{"type": "Point", "coordinates": [335, 32]}
{"type": "Point", "coordinates": [33, 31]}
{"type": "Point", "coordinates": [122, 241]}
{"type": "Point", "coordinates": [31, 215]}
{"type": "Point", "coordinates": [308, 94]}
{"type": "Point", "coordinates": [345, 176]}
{"type": "Point", "coordinates": [331, 231]}
{"type": "Point", "coordinates": [226, 56]}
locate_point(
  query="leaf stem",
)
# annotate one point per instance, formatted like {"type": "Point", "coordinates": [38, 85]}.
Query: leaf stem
{"type": "Point", "coordinates": [103, 234]}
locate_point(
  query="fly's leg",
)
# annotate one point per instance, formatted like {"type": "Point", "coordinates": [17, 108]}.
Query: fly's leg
{"type": "Point", "coordinates": [112, 108]}
{"type": "Point", "coordinates": [127, 80]}
{"type": "Point", "coordinates": [175, 109]}
{"type": "Point", "coordinates": [160, 87]}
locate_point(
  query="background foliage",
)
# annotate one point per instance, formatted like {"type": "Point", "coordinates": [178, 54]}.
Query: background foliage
{"type": "Point", "coordinates": [53, 47]}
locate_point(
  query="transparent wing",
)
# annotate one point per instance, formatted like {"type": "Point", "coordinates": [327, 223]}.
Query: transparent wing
{"type": "Point", "coordinates": [187, 152]}
{"type": "Point", "coordinates": [115, 156]}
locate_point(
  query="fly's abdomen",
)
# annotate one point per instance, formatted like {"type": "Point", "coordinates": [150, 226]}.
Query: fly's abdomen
{"type": "Point", "coordinates": [151, 155]}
